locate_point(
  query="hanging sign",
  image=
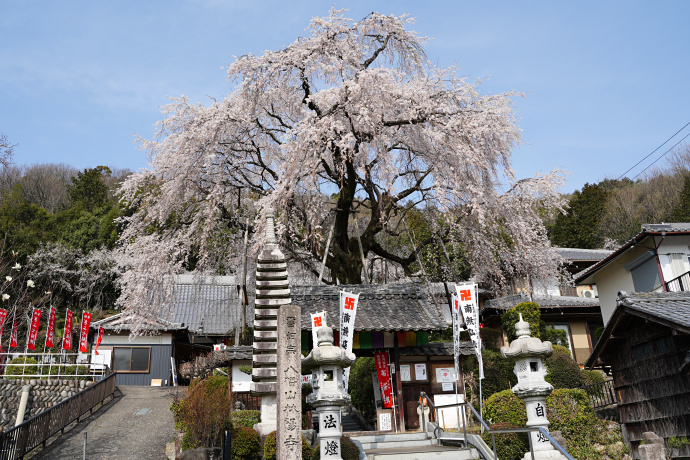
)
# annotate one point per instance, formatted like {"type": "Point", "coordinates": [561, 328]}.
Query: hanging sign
{"type": "Point", "coordinates": [33, 330]}
{"type": "Point", "coordinates": [383, 373]}
{"type": "Point", "coordinates": [51, 327]}
{"type": "Point", "coordinates": [318, 320]}
{"type": "Point", "coordinates": [469, 308]}
{"type": "Point", "coordinates": [348, 310]}
{"type": "Point", "coordinates": [84, 336]}
{"type": "Point", "coordinates": [457, 329]}
{"type": "Point", "coordinates": [13, 336]}
{"type": "Point", "coordinates": [67, 338]}
{"type": "Point", "coordinates": [98, 341]}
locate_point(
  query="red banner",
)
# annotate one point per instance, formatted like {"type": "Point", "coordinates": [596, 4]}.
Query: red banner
{"type": "Point", "coordinates": [33, 331]}
{"type": "Point", "coordinates": [383, 373]}
{"type": "Point", "coordinates": [84, 336]}
{"type": "Point", "coordinates": [67, 338]}
{"type": "Point", "coordinates": [51, 327]}
{"type": "Point", "coordinates": [100, 337]}
{"type": "Point", "coordinates": [3, 317]}
{"type": "Point", "coordinates": [13, 336]}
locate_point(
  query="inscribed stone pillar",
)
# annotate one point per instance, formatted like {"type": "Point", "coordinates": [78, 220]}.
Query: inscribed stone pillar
{"type": "Point", "coordinates": [289, 433]}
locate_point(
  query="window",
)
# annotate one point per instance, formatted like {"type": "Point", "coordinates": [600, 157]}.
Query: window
{"type": "Point", "coordinates": [131, 359]}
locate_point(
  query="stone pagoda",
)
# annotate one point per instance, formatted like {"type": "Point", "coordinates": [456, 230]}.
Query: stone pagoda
{"type": "Point", "coordinates": [532, 387]}
{"type": "Point", "coordinates": [326, 363]}
{"type": "Point", "coordinates": [272, 291]}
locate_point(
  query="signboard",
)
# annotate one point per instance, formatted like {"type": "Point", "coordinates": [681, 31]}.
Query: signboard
{"type": "Point", "coordinates": [420, 371]}
{"type": "Point", "coordinates": [384, 418]}
{"type": "Point", "coordinates": [445, 374]}
{"type": "Point", "coordinates": [405, 373]}
{"type": "Point", "coordinates": [84, 336]}
{"type": "Point", "coordinates": [67, 338]}
{"type": "Point", "coordinates": [51, 327]}
{"type": "Point", "coordinates": [348, 311]}
{"type": "Point", "coordinates": [318, 320]}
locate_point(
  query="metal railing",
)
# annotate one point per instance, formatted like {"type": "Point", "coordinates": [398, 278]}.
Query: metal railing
{"type": "Point", "coordinates": [464, 405]}
{"type": "Point", "coordinates": [51, 365]}
{"type": "Point", "coordinates": [22, 439]}
{"type": "Point", "coordinates": [678, 284]}
{"type": "Point", "coordinates": [600, 394]}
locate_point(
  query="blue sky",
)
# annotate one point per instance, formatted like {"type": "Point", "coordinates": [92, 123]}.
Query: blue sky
{"type": "Point", "coordinates": [605, 82]}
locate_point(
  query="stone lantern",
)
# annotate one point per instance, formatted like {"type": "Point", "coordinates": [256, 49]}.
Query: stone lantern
{"type": "Point", "coordinates": [531, 387]}
{"type": "Point", "coordinates": [326, 363]}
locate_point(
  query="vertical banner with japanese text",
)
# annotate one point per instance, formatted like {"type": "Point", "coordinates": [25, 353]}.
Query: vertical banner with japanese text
{"type": "Point", "coordinates": [469, 308]}
{"type": "Point", "coordinates": [318, 320]}
{"type": "Point", "coordinates": [383, 373]}
{"type": "Point", "coordinates": [13, 335]}
{"type": "Point", "coordinates": [67, 338]}
{"type": "Point", "coordinates": [52, 313]}
{"type": "Point", "coordinates": [3, 318]}
{"type": "Point", "coordinates": [348, 311]}
{"type": "Point", "coordinates": [457, 329]}
{"type": "Point", "coordinates": [84, 336]}
{"type": "Point", "coordinates": [98, 341]}
{"type": "Point", "coordinates": [33, 329]}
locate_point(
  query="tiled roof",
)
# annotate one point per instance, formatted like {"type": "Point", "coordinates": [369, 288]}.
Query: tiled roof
{"type": "Point", "coordinates": [543, 301]}
{"type": "Point", "coordinates": [381, 307]}
{"type": "Point", "coordinates": [582, 255]}
{"type": "Point", "coordinates": [437, 349]}
{"type": "Point", "coordinates": [647, 229]}
{"type": "Point", "coordinates": [670, 308]}
{"type": "Point", "coordinates": [122, 321]}
{"type": "Point", "coordinates": [206, 305]}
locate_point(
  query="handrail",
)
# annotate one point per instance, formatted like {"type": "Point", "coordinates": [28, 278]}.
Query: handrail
{"type": "Point", "coordinates": [22, 439]}
{"type": "Point", "coordinates": [546, 434]}
{"type": "Point", "coordinates": [679, 283]}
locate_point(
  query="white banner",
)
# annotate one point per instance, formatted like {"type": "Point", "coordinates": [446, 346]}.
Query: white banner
{"type": "Point", "coordinates": [457, 329]}
{"type": "Point", "coordinates": [348, 311]}
{"type": "Point", "coordinates": [469, 308]}
{"type": "Point", "coordinates": [318, 320]}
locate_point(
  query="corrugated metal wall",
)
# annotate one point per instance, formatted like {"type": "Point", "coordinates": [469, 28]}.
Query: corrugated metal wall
{"type": "Point", "coordinates": [159, 368]}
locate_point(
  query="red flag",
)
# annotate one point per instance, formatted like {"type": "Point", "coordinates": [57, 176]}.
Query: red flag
{"type": "Point", "coordinates": [51, 327]}
{"type": "Point", "coordinates": [13, 336]}
{"type": "Point", "coordinates": [67, 339]}
{"type": "Point", "coordinates": [100, 337]}
{"type": "Point", "coordinates": [33, 331]}
{"type": "Point", "coordinates": [383, 373]}
{"type": "Point", "coordinates": [3, 317]}
{"type": "Point", "coordinates": [84, 336]}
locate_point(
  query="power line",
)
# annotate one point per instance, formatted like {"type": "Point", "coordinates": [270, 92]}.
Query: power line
{"type": "Point", "coordinates": [663, 155]}
{"type": "Point", "coordinates": [652, 153]}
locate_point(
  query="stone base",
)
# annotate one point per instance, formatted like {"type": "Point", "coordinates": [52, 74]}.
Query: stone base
{"type": "Point", "coordinates": [545, 454]}
{"type": "Point", "coordinates": [269, 421]}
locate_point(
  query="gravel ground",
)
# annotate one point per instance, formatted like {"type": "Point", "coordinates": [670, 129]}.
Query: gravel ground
{"type": "Point", "coordinates": [136, 424]}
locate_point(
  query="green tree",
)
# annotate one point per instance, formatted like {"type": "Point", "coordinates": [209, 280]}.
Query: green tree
{"type": "Point", "coordinates": [530, 313]}
{"type": "Point", "coordinates": [89, 189]}
{"type": "Point", "coordinates": [23, 226]}
{"type": "Point", "coordinates": [579, 226]}
{"type": "Point", "coordinates": [682, 211]}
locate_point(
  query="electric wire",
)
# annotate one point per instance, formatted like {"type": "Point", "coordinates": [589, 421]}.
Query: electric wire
{"type": "Point", "coordinates": [652, 153]}
{"type": "Point", "coordinates": [662, 155]}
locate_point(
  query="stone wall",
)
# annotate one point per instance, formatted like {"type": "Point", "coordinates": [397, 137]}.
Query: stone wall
{"type": "Point", "coordinates": [44, 394]}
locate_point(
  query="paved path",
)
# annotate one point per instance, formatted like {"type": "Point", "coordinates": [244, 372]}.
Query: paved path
{"type": "Point", "coordinates": [136, 424]}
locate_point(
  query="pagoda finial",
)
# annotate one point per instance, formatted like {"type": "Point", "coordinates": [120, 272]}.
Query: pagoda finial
{"type": "Point", "coordinates": [270, 227]}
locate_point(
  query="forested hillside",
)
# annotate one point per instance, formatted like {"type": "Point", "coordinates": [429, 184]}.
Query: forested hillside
{"type": "Point", "coordinates": [610, 212]}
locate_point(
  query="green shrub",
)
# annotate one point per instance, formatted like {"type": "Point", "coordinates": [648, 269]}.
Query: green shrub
{"type": "Point", "coordinates": [205, 412]}
{"type": "Point", "coordinates": [505, 407]}
{"type": "Point", "coordinates": [563, 371]}
{"type": "Point", "coordinates": [246, 444]}
{"type": "Point", "coordinates": [491, 338]}
{"type": "Point", "coordinates": [361, 388]}
{"type": "Point", "coordinates": [498, 373]}
{"type": "Point", "coordinates": [270, 447]}
{"type": "Point", "coordinates": [348, 450]}
{"type": "Point", "coordinates": [592, 378]}
{"type": "Point", "coordinates": [555, 336]}
{"type": "Point", "coordinates": [509, 446]}
{"type": "Point", "coordinates": [530, 313]}
{"type": "Point", "coordinates": [246, 418]}
{"type": "Point", "coordinates": [570, 412]}
{"type": "Point", "coordinates": [14, 371]}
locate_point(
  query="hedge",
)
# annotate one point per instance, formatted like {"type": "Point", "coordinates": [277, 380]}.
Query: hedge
{"type": "Point", "coordinates": [348, 450]}
{"type": "Point", "coordinates": [270, 447]}
{"type": "Point", "coordinates": [246, 444]}
{"type": "Point", "coordinates": [563, 371]}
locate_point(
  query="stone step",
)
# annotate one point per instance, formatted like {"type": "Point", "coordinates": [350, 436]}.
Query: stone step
{"type": "Point", "coordinates": [426, 453]}
{"type": "Point", "coordinates": [389, 437]}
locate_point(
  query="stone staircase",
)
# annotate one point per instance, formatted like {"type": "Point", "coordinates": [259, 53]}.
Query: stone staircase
{"type": "Point", "coordinates": [407, 446]}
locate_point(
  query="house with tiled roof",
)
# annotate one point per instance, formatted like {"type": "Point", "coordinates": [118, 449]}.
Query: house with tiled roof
{"type": "Point", "coordinates": [563, 306]}
{"type": "Point", "coordinates": [656, 259]}
{"type": "Point", "coordinates": [646, 345]}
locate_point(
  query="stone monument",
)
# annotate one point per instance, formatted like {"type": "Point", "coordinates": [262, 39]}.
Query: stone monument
{"type": "Point", "coordinates": [272, 292]}
{"type": "Point", "coordinates": [326, 362]}
{"type": "Point", "coordinates": [289, 433]}
{"type": "Point", "coordinates": [531, 387]}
